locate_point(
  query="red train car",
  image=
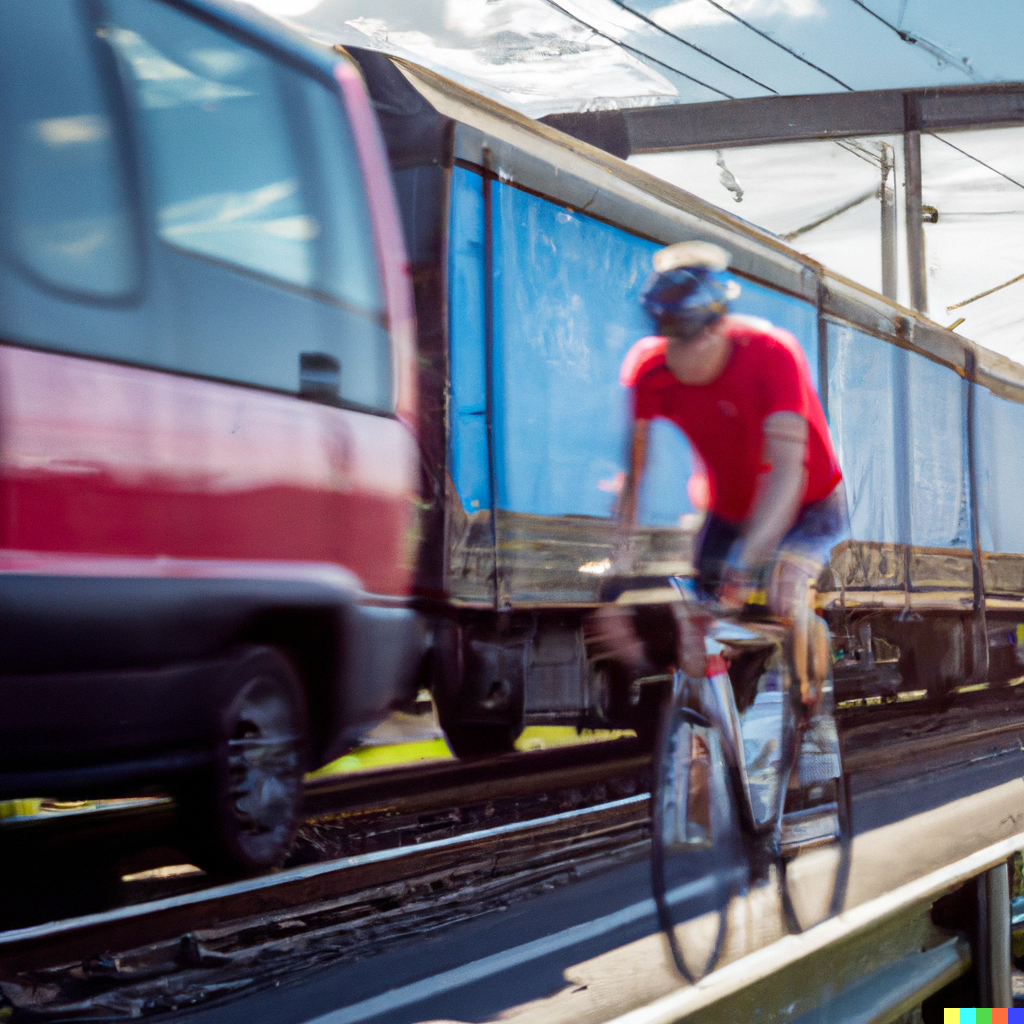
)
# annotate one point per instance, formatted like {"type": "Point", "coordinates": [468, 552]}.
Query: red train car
{"type": "Point", "coordinates": [208, 461]}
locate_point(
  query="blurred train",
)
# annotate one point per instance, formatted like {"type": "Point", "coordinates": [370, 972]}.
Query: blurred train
{"type": "Point", "coordinates": [244, 511]}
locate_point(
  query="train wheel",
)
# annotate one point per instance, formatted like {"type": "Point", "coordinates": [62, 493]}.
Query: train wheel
{"type": "Point", "coordinates": [467, 740]}
{"type": "Point", "coordinates": [698, 858]}
{"type": "Point", "coordinates": [243, 815]}
{"type": "Point", "coordinates": [815, 842]}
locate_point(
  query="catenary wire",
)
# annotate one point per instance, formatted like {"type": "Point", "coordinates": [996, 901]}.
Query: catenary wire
{"type": "Point", "coordinates": [775, 42]}
{"type": "Point", "coordinates": [908, 37]}
{"type": "Point", "coordinates": [643, 55]}
{"type": "Point", "coordinates": [977, 160]}
{"type": "Point", "coordinates": [693, 46]}
{"type": "Point", "coordinates": [632, 49]}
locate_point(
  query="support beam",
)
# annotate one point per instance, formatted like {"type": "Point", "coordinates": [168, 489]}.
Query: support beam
{"type": "Point", "coordinates": [888, 204]}
{"type": "Point", "coordinates": [993, 954]}
{"type": "Point", "coordinates": [915, 223]}
{"type": "Point", "coordinates": [766, 119]}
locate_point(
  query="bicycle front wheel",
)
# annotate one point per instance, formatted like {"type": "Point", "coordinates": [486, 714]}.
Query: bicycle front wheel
{"type": "Point", "coordinates": [698, 860]}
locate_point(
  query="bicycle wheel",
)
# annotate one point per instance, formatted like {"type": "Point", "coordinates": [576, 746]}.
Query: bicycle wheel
{"type": "Point", "coordinates": [698, 861]}
{"type": "Point", "coordinates": [815, 839]}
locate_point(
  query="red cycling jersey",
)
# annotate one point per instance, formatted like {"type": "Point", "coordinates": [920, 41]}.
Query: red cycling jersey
{"type": "Point", "coordinates": [724, 420]}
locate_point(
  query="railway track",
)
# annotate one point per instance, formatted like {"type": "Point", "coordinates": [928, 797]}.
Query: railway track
{"type": "Point", "coordinates": [218, 941]}
{"type": "Point", "coordinates": [390, 856]}
{"type": "Point", "coordinates": [65, 868]}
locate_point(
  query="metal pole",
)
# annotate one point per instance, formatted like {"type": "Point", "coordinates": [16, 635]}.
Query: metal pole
{"type": "Point", "coordinates": [993, 963]}
{"type": "Point", "coordinates": [888, 197]}
{"type": "Point", "coordinates": [488, 197]}
{"type": "Point", "coordinates": [915, 223]}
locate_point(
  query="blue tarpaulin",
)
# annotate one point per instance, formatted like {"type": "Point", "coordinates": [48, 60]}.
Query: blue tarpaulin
{"type": "Point", "coordinates": [566, 311]}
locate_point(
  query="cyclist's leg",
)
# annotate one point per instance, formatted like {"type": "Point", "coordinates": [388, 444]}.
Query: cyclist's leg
{"type": "Point", "coordinates": [802, 555]}
{"type": "Point", "coordinates": [711, 551]}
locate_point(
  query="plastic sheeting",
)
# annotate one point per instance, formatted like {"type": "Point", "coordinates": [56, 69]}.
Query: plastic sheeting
{"type": "Point", "coordinates": [467, 420]}
{"type": "Point", "coordinates": [566, 310]}
{"type": "Point", "coordinates": [861, 381]}
{"type": "Point", "coordinates": [999, 433]}
{"type": "Point", "coordinates": [974, 257]}
{"type": "Point", "coordinates": [937, 449]}
{"type": "Point", "coordinates": [821, 197]}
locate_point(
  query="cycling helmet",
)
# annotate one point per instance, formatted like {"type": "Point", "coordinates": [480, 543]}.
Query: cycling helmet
{"type": "Point", "coordinates": [689, 288]}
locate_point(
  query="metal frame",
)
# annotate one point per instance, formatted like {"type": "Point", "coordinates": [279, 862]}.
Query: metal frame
{"type": "Point", "coordinates": [763, 120]}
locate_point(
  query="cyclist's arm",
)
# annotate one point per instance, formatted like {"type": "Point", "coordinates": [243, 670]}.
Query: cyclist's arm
{"type": "Point", "coordinates": [636, 462]}
{"type": "Point", "coordinates": [778, 500]}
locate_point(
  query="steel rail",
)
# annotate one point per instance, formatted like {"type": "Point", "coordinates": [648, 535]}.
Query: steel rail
{"type": "Point", "coordinates": [158, 920]}
{"type": "Point", "coordinates": [425, 786]}
{"type": "Point", "coordinates": [418, 786]}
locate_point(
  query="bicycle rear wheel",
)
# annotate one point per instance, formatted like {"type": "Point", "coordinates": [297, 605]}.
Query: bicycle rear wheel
{"type": "Point", "coordinates": [815, 841]}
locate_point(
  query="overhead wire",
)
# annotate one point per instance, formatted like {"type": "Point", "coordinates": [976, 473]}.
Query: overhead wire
{"type": "Point", "coordinates": [905, 36]}
{"type": "Point", "coordinates": [693, 46]}
{"type": "Point", "coordinates": [775, 42]}
{"type": "Point", "coordinates": [632, 49]}
{"type": "Point", "coordinates": [908, 37]}
{"type": "Point", "coordinates": [977, 160]}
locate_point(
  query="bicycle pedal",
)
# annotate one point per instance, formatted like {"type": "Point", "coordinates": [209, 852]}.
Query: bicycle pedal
{"type": "Point", "coordinates": [814, 826]}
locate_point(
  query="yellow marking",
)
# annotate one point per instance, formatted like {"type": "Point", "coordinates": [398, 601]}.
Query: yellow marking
{"type": "Point", "coordinates": [20, 808]}
{"type": "Point", "coordinates": [533, 737]}
{"type": "Point", "coordinates": [168, 871]}
{"type": "Point", "coordinates": [539, 737]}
{"type": "Point", "coordinates": [656, 595]}
{"type": "Point", "coordinates": [383, 756]}
{"type": "Point", "coordinates": [972, 688]}
{"type": "Point", "coordinates": [909, 695]}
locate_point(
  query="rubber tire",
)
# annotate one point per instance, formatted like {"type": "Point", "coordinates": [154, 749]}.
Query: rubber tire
{"type": "Point", "coordinates": [676, 727]}
{"type": "Point", "coordinates": [795, 922]}
{"type": "Point", "coordinates": [260, 698]}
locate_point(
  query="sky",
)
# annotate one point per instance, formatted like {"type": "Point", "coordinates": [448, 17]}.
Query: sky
{"type": "Point", "coordinates": [543, 56]}
{"type": "Point", "coordinates": [547, 56]}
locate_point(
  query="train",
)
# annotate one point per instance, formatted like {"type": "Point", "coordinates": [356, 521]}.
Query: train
{"type": "Point", "coordinates": [286, 437]}
{"type": "Point", "coordinates": [529, 249]}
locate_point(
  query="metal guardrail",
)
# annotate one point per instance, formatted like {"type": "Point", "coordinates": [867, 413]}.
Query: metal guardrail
{"type": "Point", "coordinates": [728, 981]}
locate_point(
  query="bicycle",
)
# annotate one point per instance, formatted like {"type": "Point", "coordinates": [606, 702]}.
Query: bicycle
{"type": "Point", "coordinates": [748, 781]}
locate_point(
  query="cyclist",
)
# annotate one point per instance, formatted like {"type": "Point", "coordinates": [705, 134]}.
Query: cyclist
{"type": "Point", "coordinates": [741, 391]}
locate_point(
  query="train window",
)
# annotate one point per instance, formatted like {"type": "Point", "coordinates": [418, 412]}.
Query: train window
{"type": "Point", "coordinates": [67, 220]}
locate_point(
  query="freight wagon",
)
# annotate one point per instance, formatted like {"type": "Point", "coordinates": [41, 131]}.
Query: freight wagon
{"type": "Point", "coordinates": [529, 249]}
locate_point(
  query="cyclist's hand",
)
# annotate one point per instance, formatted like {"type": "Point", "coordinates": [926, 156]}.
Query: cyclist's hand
{"type": "Point", "coordinates": [610, 635]}
{"type": "Point", "coordinates": [692, 625]}
{"type": "Point", "coordinates": [736, 588]}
